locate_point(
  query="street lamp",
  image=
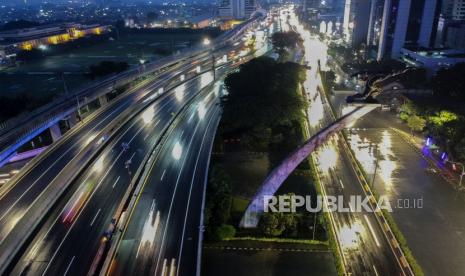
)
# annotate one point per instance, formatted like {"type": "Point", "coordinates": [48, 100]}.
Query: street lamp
{"type": "Point", "coordinates": [206, 41]}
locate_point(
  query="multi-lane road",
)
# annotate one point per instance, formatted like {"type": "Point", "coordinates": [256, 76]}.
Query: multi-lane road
{"type": "Point", "coordinates": [71, 234]}
{"type": "Point", "coordinates": [70, 196]}
{"type": "Point", "coordinates": [36, 187]}
{"type": "Point", "coordinates": [366, 247]}
{"type": "Point", "coordinates": [162, 235]}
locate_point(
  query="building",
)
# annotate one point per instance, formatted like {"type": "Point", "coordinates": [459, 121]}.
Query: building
{"type": "Point", "coordinates": [374, 23]}
{"type": "Point", "coordinates": [432, 59]}
{"type": "Point", "coordinates": [308, 5]}
{"type": "Point", "coordinates": [201, 21]}
{"type": "Point", "coordinates": [455, 36]}
{"type": "Point", "coordinates": [458, 10]}
{"type": "Point", "coordinates": [407, 22]}
{"type": "Point", "coordinates": [236, 9]}
{"type": "Point", "coordinates": [356, 21]}
{"type": "Point", "coordinates": [453, 17]}
{"type": "Point", "coordinates": [30, 38]}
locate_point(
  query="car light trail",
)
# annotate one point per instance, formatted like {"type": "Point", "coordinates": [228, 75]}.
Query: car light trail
{"type": "Point", "coordinates": [179, 92]}
{"type": "Point", "coordinates": [177, 151]}
{"type": "Point", "coordinates": [147, 115]}
{"type": "Point", "coordinates": [372, 231]}
{"type": "Point", "coordinates": [201, 110]}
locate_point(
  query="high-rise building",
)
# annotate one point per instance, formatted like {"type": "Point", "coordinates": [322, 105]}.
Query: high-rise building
{"type": "Point", "coordinates": [407, 22]}
{"type": "Point", "coordinates": [310, 4]}
{"type": "Point", "coordinates": [374, 24]}
{"type": "Point", "coordinates": [458, 10]}
{"type": "Point", "coordinates": [236, 9]}
{"type": "Point", "coordinates": [356, 21]}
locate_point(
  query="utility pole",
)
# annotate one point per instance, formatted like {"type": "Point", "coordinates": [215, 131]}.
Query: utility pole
{"type": "Point", "coordinates": [213, 67]}
{"type": "Point", "coordinates": [62, 75]}
{"type": "Point", "coordinates": [376, 156]}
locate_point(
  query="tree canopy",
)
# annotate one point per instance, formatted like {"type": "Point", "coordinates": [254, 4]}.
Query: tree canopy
{"type": "Point", "coordinates": [19, 24]}
{"type": "Point", "coordinates": [263, 93]}
{"type": "Point", "coordinates": [107, 67]}
{"type": "Point", "coordinates": [450, 82]}
{"type": "Point", "coordinates": [284, 40]}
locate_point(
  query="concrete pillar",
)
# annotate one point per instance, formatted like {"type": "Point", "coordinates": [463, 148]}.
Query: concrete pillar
{"type": "Point", "coordinates": [72, 120]}
{"type": "Point", "coordinates": [55, 132]}
{"type": "Point", "coordinates": [103, 100]}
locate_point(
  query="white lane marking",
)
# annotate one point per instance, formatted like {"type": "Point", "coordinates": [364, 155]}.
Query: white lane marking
{"type": "Point", "coordinates": [39, 196]}
{"type": "Point", "coordinates": [190, 118]}
{"type": "Point", "coordinates": [372, 231]}
{"type": "Point", "coordinates": [80, 211]}
{"type": "Point", "coordinates": [114, 184]}
{"type": "Point", "coordinates": [95, 217]}
{"type": "Point", "coordinates": [69, 265]}
{"type": "Point", "coordinates": [174, 193]}
{"type": "Point", "coordinates": [91, 196]}
{"type": "Point", "coordinates": [163, 271]}
{"type": "Point", "coordinates": [172, 267]}
{"type": "Point", "coordinates": [190, 193]}
{"type": "Point", "coordinates": [132, 156]}
{"type": "Point", "coordinates": [180, 136]}
{"type": "Point", "coordinates": [163, 175]}
{"type": "Point", "coordinates": [342, 185]}
{"type": "Point", "coordinates": [52, 165]}
{"type": "Point", "coordinates": [148, 134]}
{"type": "Point", "coordinates": [374, 269]}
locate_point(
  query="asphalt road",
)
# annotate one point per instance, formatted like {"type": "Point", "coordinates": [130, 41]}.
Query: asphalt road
{"type": "Point", "coordinates": [15, 203]}
{"type": "Point", "coordinates": [71, 234]}
{"type": "Point", "coordinates": [163, 230]}
{"type": "Point", "coordinates": [403, 177]}
{"type": "Point", "coordinates": [366, 249]}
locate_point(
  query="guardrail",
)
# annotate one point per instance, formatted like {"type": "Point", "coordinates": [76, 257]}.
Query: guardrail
{"type": "Point", "coordinates": [20, 128]}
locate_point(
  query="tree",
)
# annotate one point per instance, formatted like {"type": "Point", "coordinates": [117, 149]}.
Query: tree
{"type": "Point", "coordinates": [416, 123]}
{"type": "Point", "coordinates": [217, 211]}
{"type": "Point", "coordinates": [271, 224]}
{"type": "Point", "coordinates": [27, 55]}
{"type": "Point", "coordinates": [106, 67]}
{"type": "Point", "coordinates": [262, 96]}
{"type": "Point", "coordinates": [442, 117]}
{"type": "Point", "coordinates": [460, 149]}
{"type": "Point", "coordinates": [161, 51]}
{"type": "Point", "coordinates": [279, 224]}
{"type": "Point", "coordinates": [450, 82]}
{"type": "Point", "coordinates": [284, 40]}
{"type": "Point", "coordinates": [152, 16]}
{"type": "Point", "coordinates": [19, 24]}
{"type": "Point", "coordinates": [225, 231]}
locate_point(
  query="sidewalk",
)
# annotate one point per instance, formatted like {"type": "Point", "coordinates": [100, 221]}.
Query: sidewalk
{"type": "Point", "coordinates": [433, 157]}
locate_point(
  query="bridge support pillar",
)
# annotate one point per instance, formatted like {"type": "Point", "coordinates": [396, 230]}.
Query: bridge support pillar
{"type": "Point", "coordinates": [55, 132]}
{"type": "Point", "coordinates": [72, 120]}
{"type": "Point", "coordinates": [103, 100]}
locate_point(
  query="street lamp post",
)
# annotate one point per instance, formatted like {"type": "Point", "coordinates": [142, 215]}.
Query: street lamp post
{"type": "Point", "coordinates": [376, 157]}
{"type": "Point", "coordinates": [213, 67]}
